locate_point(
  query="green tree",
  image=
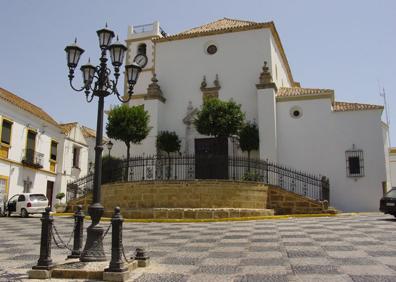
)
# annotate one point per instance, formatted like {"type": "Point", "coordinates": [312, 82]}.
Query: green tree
{"type": "Point", "coordinates": [219, 118]}
{"type": "Point", "coordinates": [168, 142]}
{"type": "Point", "coordinates": [128, 124]}
{"type": "Point", "coordinates": [249, 139]}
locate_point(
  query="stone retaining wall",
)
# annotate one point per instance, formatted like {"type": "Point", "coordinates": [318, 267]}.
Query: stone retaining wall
{"type": "Point", "coordinates": [199, 199]}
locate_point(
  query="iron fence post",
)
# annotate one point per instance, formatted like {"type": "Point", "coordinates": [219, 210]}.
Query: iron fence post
{"type": "Point", "coordinates": [45, 261]}
{"type": "Point", "coordinates": [78, 232]}
{"type": "Point", "coordinates": [325, 185]}
{"type": "Point", "coordinates": [116, 262]}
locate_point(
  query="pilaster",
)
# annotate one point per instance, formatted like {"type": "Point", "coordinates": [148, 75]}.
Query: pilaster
{"type": "Point", "coordinates": [266, 109]}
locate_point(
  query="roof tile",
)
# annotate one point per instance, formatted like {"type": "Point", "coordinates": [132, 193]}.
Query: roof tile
{"type": "Point", "coordinates": [26, 106]}
{"type": "Point", "coordinates": [345, 106]}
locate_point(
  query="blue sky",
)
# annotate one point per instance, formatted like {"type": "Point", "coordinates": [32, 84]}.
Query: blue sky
{"type": "Point", "coordinates": [348, 46]}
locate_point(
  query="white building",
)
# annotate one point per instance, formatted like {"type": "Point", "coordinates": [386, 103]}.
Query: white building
{"type": "Point", "coordinates": [37, 154]}
{"type": "Point", "coordinates": [304, 128]}
{"type": "Point", "coordinates": [392, 166]}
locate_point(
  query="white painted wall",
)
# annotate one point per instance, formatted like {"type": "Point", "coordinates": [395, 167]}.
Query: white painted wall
{"type": "Point", "coordinates": [278, 67]}
{"type": "Point", "coordinates": [16, 172]}
{"type": "Point", "coordinates": [317, 142]}
{"type": "Point", "coordinates": [392, 165]}
{"type": "Point", "coordinates": [181, 65]}
{"type": "Point", "coordinates": [12, 167]}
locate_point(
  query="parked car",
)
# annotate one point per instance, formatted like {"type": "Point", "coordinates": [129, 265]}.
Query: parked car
{"type": "Point", "coordinates": [388, 202]}
{"type": "Point", "coordinates": [27, 203]}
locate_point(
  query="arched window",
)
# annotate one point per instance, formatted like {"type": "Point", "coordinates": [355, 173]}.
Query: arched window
{"type": "Point", "coordinates": [141, 49]}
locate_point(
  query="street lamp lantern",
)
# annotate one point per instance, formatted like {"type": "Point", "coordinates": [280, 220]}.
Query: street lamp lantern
{"type": "Point", "coordinates": [73, 52]}
{"type": "Point", "coordinates": [88, 72]}
{"type": "Point", "coordinates": [99, 82]}
{"type": "Point", "coordinates": [105, 36]}
{"type": "Point", "coordinates": [132, 73]}
{"type": "Point", "coordinates": [117, 52]}
{"type": "Point", "coordinates": [109, 146]}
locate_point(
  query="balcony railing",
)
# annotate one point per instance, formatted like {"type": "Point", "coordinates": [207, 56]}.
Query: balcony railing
{"type": "Point", "coordinates": [32, 158]}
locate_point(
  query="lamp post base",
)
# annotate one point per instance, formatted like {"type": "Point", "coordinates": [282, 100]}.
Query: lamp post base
{"type": "Point", "coordinates": [93, 250]}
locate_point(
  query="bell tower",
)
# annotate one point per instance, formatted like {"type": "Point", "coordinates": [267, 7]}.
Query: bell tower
{"type": "Point", "coordinates": [140, 41]}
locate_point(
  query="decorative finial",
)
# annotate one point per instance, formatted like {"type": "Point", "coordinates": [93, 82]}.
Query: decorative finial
{"type": "Point", "coordinates": [75, 40]}
{"type": "Point", "coordinates": [117, 37]}
{"type": "Point", "coordinates": [265, 68]}
{"type": "Point", "coordinates": [203, 83]}
{"type": "Point", "coordinates": [216, 81]}
{"type": "Point", "coordinates": [154, 78]}
{"type": "Point", "coordinates": [89, 60]}
{"type": "Point", "coordinates": [265, 76]}
{"type": "Point", "coordinates": [106, 25]}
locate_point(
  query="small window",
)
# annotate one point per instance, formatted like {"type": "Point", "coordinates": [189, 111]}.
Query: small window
{"type": "Point", "coordinates": [295, 112]}
{"type": "Point", "coordinates": [6, 132]}
{"type": "Point", "coordinates": [21, 198]}
{"type": "Point", "coordinates": [212, 49]}
{"type": "Point", "coordinates": [76, 157]}
{"type": "Point", "coordinates": [38, 197]}
{"type": "Point", "coordinates": [54, 150]}
{"type": "Point", "coordinates": [141, 49]}
{"type": "Point", "coordinates": [354, 163]}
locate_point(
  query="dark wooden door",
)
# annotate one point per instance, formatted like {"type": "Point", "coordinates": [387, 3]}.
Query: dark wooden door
{"type": "Point", "coordinates": [50, 192]}
{"type": "Point", "coordinates": [211, 158]}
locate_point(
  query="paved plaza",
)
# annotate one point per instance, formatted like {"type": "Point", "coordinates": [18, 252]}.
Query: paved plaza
{"type": "Point", "coordinates": [342, 248]}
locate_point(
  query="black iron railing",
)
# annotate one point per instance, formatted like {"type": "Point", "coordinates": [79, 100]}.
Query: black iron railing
{"type": "Point", "coordinates": [32, 158]}
{"type": "Point", "coordinates": [190, 167]}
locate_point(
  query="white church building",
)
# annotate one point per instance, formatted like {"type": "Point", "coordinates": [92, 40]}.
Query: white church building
{"type": "Point", "coordinates": [301, 127]}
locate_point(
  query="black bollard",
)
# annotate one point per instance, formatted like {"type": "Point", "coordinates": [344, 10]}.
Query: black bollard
{"type": "Point", "coordinates": [45, 261]}
{"type": "Point", "coordinates": [78, 232]}
{"type": "Point", "coordinates": [141, 257]}
{"type": "Point", "coordinates": [116, 262]}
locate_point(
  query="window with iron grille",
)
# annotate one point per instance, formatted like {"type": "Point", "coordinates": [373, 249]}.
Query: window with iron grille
{"type": "Point", "coordinates": [354, 163]}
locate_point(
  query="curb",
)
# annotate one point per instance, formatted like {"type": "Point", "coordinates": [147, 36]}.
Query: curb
{"type": "Point", "coordinates": [150, 220]}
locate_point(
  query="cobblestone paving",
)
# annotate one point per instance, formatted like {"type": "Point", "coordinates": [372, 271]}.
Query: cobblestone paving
{"type": "Point", "coordinates": [343, 248]}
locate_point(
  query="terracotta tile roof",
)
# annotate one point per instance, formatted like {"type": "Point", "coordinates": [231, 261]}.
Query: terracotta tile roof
{"type": "Point", "coordinates": [345, 106]}
{"type": "Point", "coordinates": [88, 132]}
{"type": "Point", "coordinates": [298, 91]}
{"type": "Point", "coordinates": [67, 127]}
{"type": "Point", "coordinates": [26, 106]}
{"type": "Point", "coordinates": [222, 24]}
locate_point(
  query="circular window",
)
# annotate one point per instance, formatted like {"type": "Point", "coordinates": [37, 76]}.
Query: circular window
{"type": "Point", "coordinates": [212, 49]}
{"type": "Point", "coordinates": [295, 112]}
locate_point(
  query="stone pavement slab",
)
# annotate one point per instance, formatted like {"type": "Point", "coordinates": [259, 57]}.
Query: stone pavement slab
{"type": "Point", "coordinates": [343, 248]}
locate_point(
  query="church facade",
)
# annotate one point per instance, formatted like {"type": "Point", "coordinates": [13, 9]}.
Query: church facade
{"type": "Point", "coordinates": [304, 128]}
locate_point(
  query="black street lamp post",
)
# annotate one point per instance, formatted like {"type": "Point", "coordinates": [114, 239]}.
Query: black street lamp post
{"type": "Point", "coordinates": [102, 87]}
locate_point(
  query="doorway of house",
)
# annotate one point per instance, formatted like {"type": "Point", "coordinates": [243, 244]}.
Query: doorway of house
{"type": "Point", "coordinates": [50, 192]}
{"type": "Point", "coordinates": [211, 158]}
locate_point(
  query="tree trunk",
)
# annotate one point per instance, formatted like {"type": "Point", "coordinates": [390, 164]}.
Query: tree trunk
{"type": "Point", "coordinates": [248, 161]}
{"type": "Point", "coordinates": [128, 144]}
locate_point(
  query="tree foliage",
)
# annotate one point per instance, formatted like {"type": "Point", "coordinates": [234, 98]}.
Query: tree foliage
{"type": "Point", "coordinates": [128, 124]}
{"type": "Point", "coordinates": [168, 142]}
{"type": "Point", "coordinates": [219, 118]}
{"type": "Point", "coordinates": [249, 137]}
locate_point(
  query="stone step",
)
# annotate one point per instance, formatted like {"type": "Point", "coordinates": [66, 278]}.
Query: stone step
{"type": "Point", "coordinates": [184, 213]}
